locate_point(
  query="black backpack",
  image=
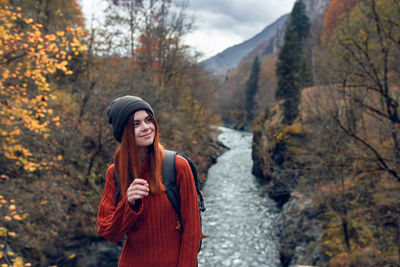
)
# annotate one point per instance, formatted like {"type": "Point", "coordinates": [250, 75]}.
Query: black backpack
{"type": "Point", "coordinates": [169, 180]}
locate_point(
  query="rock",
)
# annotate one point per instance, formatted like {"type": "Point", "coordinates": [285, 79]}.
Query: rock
{"type": "Point", "coordinates": [100, 254]}
{"type": "Point", "coordinates": [278, 191]}
{"type": "Point", "coordinates": [300, 232]}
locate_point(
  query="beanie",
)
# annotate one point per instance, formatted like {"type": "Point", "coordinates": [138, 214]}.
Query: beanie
{"type": "Point", "coordinates": [121, 109]}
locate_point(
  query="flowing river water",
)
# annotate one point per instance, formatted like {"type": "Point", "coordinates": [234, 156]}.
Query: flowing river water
{"type": "Point", "coordinates": [240, 217]}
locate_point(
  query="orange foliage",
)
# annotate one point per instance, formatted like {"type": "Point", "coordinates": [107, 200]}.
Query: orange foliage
{"type": "Point", "coordinates": [79, 17]}
{"type": "Point", "coordinates": [336, 11]}
{"type": "Point", "coordinates": [12, 212]}
{"type": "Point", "coordinates": [27, 58]}
{"type": "Point", "coordinates": [341, 260]}
{"type": "Point", "coordinates": [148, 49]}
{"type": "Point", "coordinates": [268, 67]}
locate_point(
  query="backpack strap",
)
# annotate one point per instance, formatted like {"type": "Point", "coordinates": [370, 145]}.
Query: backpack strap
{"type": "Point", "coordinates": [118, 192]}
{"type": "Point", "coordinates": [196, 182]}
{"type": "Point", "coordinates": [169, 180]}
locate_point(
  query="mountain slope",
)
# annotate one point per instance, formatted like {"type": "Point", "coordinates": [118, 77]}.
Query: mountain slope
{"type": "Point", "coordinates": [266, 42]}
{"type": "Point", "coordinates": [229, 59]}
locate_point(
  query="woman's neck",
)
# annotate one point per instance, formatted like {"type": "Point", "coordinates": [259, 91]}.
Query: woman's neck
{"type": "Point", "coordinates": [142, 153]}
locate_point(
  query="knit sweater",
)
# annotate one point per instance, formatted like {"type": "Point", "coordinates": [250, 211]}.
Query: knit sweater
{"type": "Point", "coordinates": [152, 236]}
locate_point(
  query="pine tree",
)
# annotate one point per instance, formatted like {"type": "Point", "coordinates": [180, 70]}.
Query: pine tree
{"type": "Point", "coordinates": [299, 20]}
{"type": "Point", "coordinates": [292, 69]}
{"type": "Point", "coordinates": [251, 90]}
{"type": "Point", "coordinates": [289, 79]}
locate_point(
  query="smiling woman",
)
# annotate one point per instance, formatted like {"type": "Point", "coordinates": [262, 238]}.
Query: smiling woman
{"type": "Point", "coordinates": [142, 210]}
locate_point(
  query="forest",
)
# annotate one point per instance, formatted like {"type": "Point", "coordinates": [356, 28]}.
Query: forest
{"type": "Point", "coordinates": [331, 141]}
{"type": "Point", "coordinates": [57, 79]}
{"type": "Point", "coordinates": [324, 111]}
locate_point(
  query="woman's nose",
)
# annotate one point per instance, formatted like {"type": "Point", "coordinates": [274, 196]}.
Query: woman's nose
{"type": "Point", "coordinates": [145, 126]}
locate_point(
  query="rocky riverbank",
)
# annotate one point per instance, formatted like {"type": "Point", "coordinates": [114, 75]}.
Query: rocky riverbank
{"type": "Point", "coordinates": [300, 232]}
{"type": "Point", "coordinates": [277, 155]}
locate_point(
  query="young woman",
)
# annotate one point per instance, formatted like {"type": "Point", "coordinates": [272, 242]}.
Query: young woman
{"type": "Point", "coordinates": [143, 212]}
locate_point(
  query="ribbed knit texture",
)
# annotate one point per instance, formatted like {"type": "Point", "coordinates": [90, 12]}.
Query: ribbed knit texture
{"type": "Point", "coordinates": [152, 238]}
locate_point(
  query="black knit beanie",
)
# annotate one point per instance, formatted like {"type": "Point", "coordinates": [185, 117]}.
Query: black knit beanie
{"type": "Point", "coordinates": [121, 109]}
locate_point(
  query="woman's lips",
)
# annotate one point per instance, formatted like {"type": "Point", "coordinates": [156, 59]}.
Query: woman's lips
{"type": "Point", "coordinates": [146, 135]}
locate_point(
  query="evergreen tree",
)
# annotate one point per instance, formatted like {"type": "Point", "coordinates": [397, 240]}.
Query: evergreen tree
{"type": "Point", "coordinates": [288, 67]}
{"type": "Point", "coordinates": [299, 20]}
{"type": "Point", "coordinates": [292, 70]}
{"type": "Point", "coordinates": [251, 89]}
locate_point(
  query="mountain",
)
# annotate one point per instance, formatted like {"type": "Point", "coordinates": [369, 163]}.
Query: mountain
{"type": "Point", "coordinates": [229, 59]}
{"type": "Point", "coordinates": [266, 42]}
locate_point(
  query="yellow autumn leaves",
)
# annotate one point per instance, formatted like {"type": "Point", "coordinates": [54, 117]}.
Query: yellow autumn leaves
{"type": "Point", "coordinates": [13, 214]}
{"type": "Point", "coordinates": [11, 209]}
{"type": "Point", "coordinates": [28, 57]}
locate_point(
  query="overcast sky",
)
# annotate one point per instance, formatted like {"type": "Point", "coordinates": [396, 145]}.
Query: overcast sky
{"type": "Point", "coordinates": [220, 24]}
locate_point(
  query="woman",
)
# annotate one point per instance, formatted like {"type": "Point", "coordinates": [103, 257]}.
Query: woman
{"type": "Point", "coordinates": [143, 212]}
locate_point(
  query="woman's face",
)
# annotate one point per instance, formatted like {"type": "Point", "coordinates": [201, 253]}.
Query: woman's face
{"type": "Point", "coordinates": [144, 129]}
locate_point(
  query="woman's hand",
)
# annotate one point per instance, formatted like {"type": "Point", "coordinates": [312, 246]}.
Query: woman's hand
{"type": "Point", "coordinates": [138, 189]}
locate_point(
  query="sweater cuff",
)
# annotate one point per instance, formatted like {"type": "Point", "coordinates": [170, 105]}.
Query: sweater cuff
{"type": "Point", "coordinates": [133, 210]}
{"type": "Point", "coordinates": [137, 207]}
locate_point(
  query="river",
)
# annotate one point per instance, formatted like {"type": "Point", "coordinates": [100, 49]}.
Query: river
{"type": "Point", "coordinates": [240, 217]}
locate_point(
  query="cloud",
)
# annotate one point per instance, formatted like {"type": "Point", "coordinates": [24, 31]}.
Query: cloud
{"type": "Point", "coordinates": [247, 12]}
{"type": "Point", "coordinates": [220, 24]}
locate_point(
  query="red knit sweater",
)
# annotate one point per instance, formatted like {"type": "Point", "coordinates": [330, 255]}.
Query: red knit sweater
{"type": "Point", "coordinates": [152, 237]}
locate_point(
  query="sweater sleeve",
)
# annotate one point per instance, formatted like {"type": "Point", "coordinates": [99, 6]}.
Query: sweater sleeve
{"type": "Point", "coordinates": [115, 221]}
{"type": "Point", "coordinates": [190, 214]}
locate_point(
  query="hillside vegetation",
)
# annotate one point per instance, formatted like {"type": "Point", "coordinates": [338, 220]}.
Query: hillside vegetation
{"type": "Point", "coordinates": [56, 81]}
{"type": "Point", "coordinates": [335, 169]}
{"type": "Point", "coordinates": [231, 104]}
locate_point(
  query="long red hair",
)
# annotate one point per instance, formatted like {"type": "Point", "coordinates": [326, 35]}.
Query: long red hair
{"type": "Point", "coordinates": [127, 161]}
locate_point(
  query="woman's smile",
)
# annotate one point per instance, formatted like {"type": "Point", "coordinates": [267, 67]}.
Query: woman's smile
{"type": "Point", "coordinates": [147, 135]}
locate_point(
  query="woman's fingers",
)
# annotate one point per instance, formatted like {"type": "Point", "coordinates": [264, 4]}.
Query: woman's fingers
{"type": "Point", "coordinates": [138, 189]}
{"type": "Point", "coordinates": [140, 185]}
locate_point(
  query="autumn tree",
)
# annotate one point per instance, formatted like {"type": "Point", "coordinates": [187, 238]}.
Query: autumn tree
{"type": "Point", "coordinates": [53, 15]}
{"type": "Point", "coordinates": [336, 11]}
{"type": "Point", "coordinates": [365, 50]}
{"type": "Point", "coordinates": [28, 58]}
{"type": "Point", "coordinates": [291, 69]}
{"type": "Point", "coordinates": [122, 25]}
{"type": "Point", "coordinates": [161, 49]}
{"type": "Point", "coordinates": [363, 124]}
{"type": "Point", "coordinates": [151, 34]}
